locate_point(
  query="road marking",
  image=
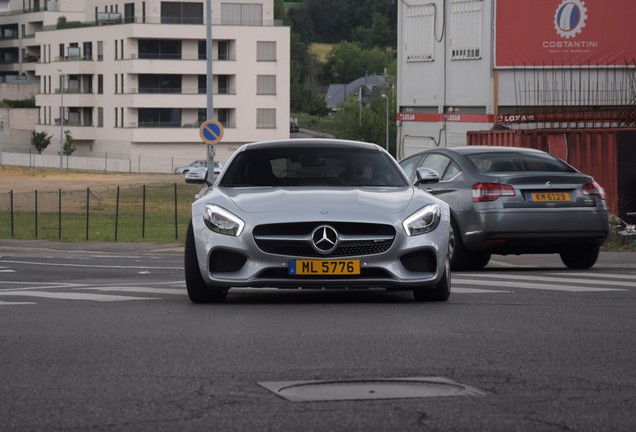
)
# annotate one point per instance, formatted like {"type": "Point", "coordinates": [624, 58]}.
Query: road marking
{"type": "Point", "coordinates": [73, 296]}
{"type": "Point", "coordinates": [473, 290]}
{"type": "Point", "coordinates": [91, 265]}
{"type": "Point", "coordinates": [555, 279]}
{"type": "Point", "coordinates": [136, 289]}
{"type": "Point", "coordinates": [526, 285]}
{"type": "Point", "coordinates": [631, 277]}
{"type": "Point", "coordinates": [4, 303]}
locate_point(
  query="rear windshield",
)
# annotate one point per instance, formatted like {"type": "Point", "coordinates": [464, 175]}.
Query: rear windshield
{"type": "Point", "coordinates": [507, 161]}
{"type": "Point", "coordinates": [312, 166]}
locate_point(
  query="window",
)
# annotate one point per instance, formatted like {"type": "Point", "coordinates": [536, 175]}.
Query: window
{"type": "Point", "coordinates": [181, 13]}
{"type": "Point", "coordinates": [159, 49]}
{"type": "Point", "coordinates": [159, 117]}
{"type": "Point", "coordinates": [129, 12]}
{"type": "Point", "coordinates": [265, 118]}
{"type": "Point", "coordinates": [420, 32]}
{"type": "Point", "coordinates": [224, 50]}
{"type": "Point", "coordinates": [150, 83]}
{"type": "Point", "coordinates": [466, 17]}
{"type": "Point", "coordinates": [266, 51]}
{"type": "Point", "coordinates": [266, 84]}
{"type": "Point", "coordinates": [437, 163]}
{"type": "Point", "coordinates": [224, 84]}
{"type": "Point", "coordinates": [451, 172]}
{"type": "Point", "coordinates": [410, 164]}
{"type": "Point", "coordinates": [242, 14]}
{"type": "Point", "coordinates": [226, 116]}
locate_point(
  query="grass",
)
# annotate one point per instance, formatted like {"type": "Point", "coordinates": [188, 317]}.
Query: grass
{"type": "Point", "coordinates": [100, 216]}
{"type": "Point", "coordinates": [322, 124]}
{"type": "Point", "coordinates": [320, 50]}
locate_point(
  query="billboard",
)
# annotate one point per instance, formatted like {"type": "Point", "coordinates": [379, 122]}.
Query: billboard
{"type": "Point", "coordinates": [560, 33]}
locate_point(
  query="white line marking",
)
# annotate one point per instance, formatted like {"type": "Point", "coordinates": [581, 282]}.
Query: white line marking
{"type": "Point", "coordinates": [553, 279]}
{"type": "Point", "coordinates": [136, 289]}
{"type": "Point", "coordinates": [4, 303]}
{"type": "Point", "coordinates": [473, 290]}
{"type": "Point", "coordinates": [73, 296]}
{"type": "Point", "coordinates": [600, 276]}
{"type": "Point", "coordinates": [91, 265]}
{"type": "Point", "coordinates": [526, 285]}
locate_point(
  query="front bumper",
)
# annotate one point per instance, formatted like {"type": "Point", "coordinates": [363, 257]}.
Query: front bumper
{"type": "Point", "coordinates": [410, 262]}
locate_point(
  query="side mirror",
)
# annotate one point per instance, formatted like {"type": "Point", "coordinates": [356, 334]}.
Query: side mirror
{"type": "Point", "coordinates": [425, 176]}
{"type": "Point", "coordinates": [197, 176]}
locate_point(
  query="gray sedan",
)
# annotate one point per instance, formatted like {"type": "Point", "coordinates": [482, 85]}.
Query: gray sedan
{"type": "Point", "coordinates": [508, 200]}
{"type": "Point", "coordinates": [316, 213]}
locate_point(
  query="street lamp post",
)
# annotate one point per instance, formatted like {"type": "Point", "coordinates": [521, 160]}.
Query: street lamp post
{"type": "Point", "coordinates": [387, 121]}
{"type": "Point", "coordinates": [61, 118]}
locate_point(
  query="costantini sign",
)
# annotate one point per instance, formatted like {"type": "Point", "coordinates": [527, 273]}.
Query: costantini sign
{"type": "Point", "coordinates": [564, 33]}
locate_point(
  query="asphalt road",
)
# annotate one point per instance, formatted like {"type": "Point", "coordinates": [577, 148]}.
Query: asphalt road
{"type": "Point", "coordinates": [103, 337]}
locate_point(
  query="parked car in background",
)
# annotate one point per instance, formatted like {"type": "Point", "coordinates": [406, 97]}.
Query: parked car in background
{"type": "Point", "coordinates": [507, 200]}
{"type": "Point", "coordinates": [293, 126]}
{"type": "Point", "coordinates": [305, 213]}
{"type": "Point", "coordinates": [198, 164]}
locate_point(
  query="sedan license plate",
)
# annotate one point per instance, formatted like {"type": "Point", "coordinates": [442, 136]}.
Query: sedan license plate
{"type": "Point", "coordinates": [549, 196]}
{"type": "Point", "coordinates": [324, 267]}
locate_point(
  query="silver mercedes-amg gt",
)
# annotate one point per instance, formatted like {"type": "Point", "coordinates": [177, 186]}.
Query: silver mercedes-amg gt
{"type": "Point", "coordinates": [316, 213]}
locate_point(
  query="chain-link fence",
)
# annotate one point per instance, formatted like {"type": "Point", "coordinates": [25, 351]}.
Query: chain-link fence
{"type": "Point", "coordinates": [158, 213]}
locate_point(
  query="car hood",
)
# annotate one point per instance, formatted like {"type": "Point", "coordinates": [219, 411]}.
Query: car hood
{"type": "Point", "coordinates": [255, 200]}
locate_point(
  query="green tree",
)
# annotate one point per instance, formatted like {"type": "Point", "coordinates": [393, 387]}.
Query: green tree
{"type": "Point", "coordinates": [335, 20]}
{"type": "Point", "coordinates": [40, 140]}
{"type": "Point", "coordinates": [379, 34]}
{"type": "Point", "coordinates": [347, 62]}
{"type": "Point", "coordinates": [359, 123]}
{"type": "Point", "coordinates": [68, 148]}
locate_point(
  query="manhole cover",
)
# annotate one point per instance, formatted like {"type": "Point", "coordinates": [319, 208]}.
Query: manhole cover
{"type": "Point", "coordinates": [363, 389]}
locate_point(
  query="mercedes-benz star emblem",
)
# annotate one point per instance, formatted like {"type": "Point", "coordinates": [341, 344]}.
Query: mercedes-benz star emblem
{"type": "Point", "coordinates": [324, 239]}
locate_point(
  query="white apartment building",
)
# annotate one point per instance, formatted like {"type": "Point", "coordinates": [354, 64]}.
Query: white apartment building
{"type": "Point", "coordinates": [470, 65]}
{"type": "Point", "coordinates": [130, 77]}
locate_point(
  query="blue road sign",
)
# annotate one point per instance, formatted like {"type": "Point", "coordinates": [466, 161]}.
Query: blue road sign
{"type": "Point", "coordinates": [211, 131]}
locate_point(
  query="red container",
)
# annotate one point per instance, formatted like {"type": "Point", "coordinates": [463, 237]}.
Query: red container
{"type": "Point", "coordinates": [609, 155]}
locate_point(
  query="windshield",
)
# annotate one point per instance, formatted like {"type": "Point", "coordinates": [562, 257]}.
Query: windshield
{"type": "Point", "coordinates": [509, 161]}
{"type": "Point", "coordinates": [312, 166]}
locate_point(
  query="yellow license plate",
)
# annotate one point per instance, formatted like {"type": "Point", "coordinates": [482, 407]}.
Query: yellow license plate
{"type": "Point", "coordinates": [549, 196]}
{"type": "Point", "coordinates": [324, 267]}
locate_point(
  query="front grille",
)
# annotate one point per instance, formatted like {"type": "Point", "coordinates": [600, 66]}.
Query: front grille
{"type": "Point", "coordinates": [362, 239]}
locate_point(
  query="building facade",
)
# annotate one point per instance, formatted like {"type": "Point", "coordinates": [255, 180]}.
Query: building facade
{"type": "Point", "coordinates": [470, 65]}
{"type": "Point", "coordinates": [130, 78]}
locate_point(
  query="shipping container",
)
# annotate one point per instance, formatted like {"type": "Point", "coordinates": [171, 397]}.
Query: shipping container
{"type": "Point", "coordinates": [608, 155]}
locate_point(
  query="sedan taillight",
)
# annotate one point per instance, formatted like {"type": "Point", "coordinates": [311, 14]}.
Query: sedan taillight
{"type": "Point", "coordinates": [491, 191]}
{"type": "Point", "coordinates": [594, 189]}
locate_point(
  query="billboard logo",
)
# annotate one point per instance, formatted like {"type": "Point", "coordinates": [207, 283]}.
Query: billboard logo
{"type": "Point", "coordinates": [570, 17]}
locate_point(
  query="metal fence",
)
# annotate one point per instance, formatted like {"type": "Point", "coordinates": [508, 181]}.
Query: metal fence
{"type": "Point", "coordinates": [157, 213]}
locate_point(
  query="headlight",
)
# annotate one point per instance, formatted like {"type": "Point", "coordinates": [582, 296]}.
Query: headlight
{"type": "Point", "coordinates": [423, 221]}
{"type": "Point", "coordinates": [222, 221]}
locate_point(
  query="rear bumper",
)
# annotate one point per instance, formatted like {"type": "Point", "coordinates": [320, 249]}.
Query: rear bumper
{"type": "Point", "coordinates": [522, 231]}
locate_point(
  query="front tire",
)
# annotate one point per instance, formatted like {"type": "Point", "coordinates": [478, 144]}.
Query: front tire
{"type": "Point", "coordinates": [460, 257]}
{"type": "Point", "coordinates": [198, 290]}
{"type": "Point", "coordinates": [580, 258]}
{"type": "Point", "coordinates": [441, 291]}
